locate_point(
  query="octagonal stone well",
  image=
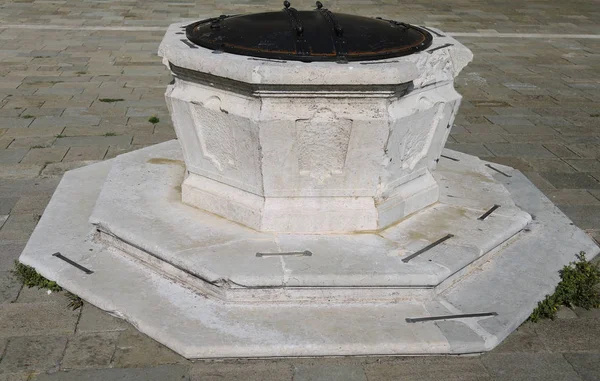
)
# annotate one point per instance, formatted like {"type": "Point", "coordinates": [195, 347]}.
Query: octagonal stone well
{"type": "Point", "coordinates": [311, 147]}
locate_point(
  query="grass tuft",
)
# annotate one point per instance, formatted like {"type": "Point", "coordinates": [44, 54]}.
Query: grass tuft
{"type": "Point", "coordinates": [578, 287]}
{"type": "Point", "coordinates": [31, 278]}
{"type": "Point", "coordinates": [111, 100]}
{"type": "Point", "coordinates": [27, 116]}
{"type": "Point", "coordinates": [75, 302]}
{"type": "Point", "coordinates": [110, 134]}
{"type": "Point", "coordinates": [153, 120]}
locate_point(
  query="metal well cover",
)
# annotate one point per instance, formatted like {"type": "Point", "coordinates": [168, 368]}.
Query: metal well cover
{"type": "Point", "coordinates": [317, 35]}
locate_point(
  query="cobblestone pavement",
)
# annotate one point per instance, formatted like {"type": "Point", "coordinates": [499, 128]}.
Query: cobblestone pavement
{"type": "Point", "coordinates": [530, 101]}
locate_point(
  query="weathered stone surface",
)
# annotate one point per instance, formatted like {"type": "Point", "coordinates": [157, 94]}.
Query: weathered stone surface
{"type": "Point", "coordinates": [137, 350]}
{"type": "Point", "coordinates": [529, 366]}
{"type": "Point", "coordinates": [90, 350]}
{"type": "Point", "coordinates": [523, 339]}
{"type": "Point", "coordinates": [94, 319]}
{"type": "Point", "coordinates": [570, 335]}
{"type": "Point", "coordinates": [23, 319]}
{"type": "Point", "coordinates": [37, 353]}
{"type": "Point", "coordinates": [158, 373]}
{"type": "Point", "coordinates": [9, 287]}
{"type": "Point", "coordinates": [587, 365]}
{"type": "Point", "coordinates": [428, 369]}
{"type": "Point", "coordinates": [242, 370]}
{"type": "Point", "coordinates": [325, 371]}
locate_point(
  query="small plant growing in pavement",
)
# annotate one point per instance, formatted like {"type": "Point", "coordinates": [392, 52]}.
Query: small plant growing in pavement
{"type": "Point", "coordinates": [31, 278]}
{"type": "Point", "coordinates": [111, 100]}
{"type": "Point", "coordinates": [27, 116]}
{"type": "Point", "coordinates": [110, 134]}
{"type": "Point", "coordinates": [153, 120]}
{"type": "Point", "coordinates": [60, 136]}
{"type": "Point", "coordinates": [578, 287]}
{"type": "Point", "coordinates": [37, 147]}
{"type": "Point", "coordinates": [75, 301]}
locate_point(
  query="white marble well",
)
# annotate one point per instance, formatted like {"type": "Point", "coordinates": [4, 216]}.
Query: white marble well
{"type": "Point", "coordinates": [291, 146]}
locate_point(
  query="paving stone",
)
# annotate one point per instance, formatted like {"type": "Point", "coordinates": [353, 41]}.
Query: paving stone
{"type": "Point", "coordinates": [85, 153]}
{"type": "Point", "coordinates": [6, 204]}
{"type": "Point", "coordinates": [561, 151]}
{"type": "Point", "coordinates": [525, 150]}
{"type": "Point", "coordinates": [428, 369]}
{"type": "Point", "coordinates": [585, 217]}
{"type": "Point", "coordinates": [20, 376]}
{"type": "Point", "coordinates": [25, 319]}
{"type": "Point", "coordinates": [15, 122]}
{"type": "Point", "coordinates": [572, 197]}
{"type": "Point", "coordinates": [39, 353]}
{"type": "Point", "coordinates": [58, 169]}
{"type": "Point", "coordinates": [564, 312]}
{"type": "Point", "coordinates": [33, 132]}
{"type": "Point", "coordinates": [587, 365]}
{"type": "Point", "coordinates": [22, 187]}
{"type": "Point", "coordinates": [528, 366]}
{"type": "Point", "coordinates": [19, 171]}
{"type": "Point", "coordinates": [18, 227]}
{"type": "Point", "coordinates": [349, 372]}
{"type": "Point", "coordinates": [45, 155]}
{"type": "Point", "coordinates": [32, 204]}
{"type": "Point", "coordinates": [586, 150]}
{"type": "Point", "coordinates": [470, 148]}
{"type": "Point", "coordinates": [570, 335]}
{"type": "Point", "coordinates": [514, 162]}
{"type": "Point", "coordinates": [593, 313]}
{"type": "Point", "coordinates": [243, 370]}
{"type": "Point", "coordinates": [9, 252]}
{"type": "Point", "coordinates": [79, 141]}
{"type": "Point", "coordinates": [12, 156]}
{"type": "Point", "coordinates": [9, 288]}
{"type": "Point", "coordinates": [524, 339]}
{"type": "Point", "coordinates": [32, 142]}
{"type": "Point", "coordinates": [571, 180]}
{"type": "Point", "coordinates": [158, 373]}
{"type": "Point", "coordinates": [40, 295]}
{"type": "Point", "coordinates": [135, 349]}
{"type": "Point", "coordinates": [585, 165]}
{"type": "Point", "coordinates": [550, 165]}
{"type": "Point", "coordinates": [90, 350]}
{"type": "Point", "coordinates": [94, 319]}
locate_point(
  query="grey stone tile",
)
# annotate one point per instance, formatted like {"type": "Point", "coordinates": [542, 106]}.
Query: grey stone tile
{"type": "Point", "coordinates": [135, 349]}
{"type": "Point", "coordinates": [39, 353]}
{"type": "Point", "coordinates": [333, 372]}
{"type": "Point", "coordinates": [570, 335]}
{"type": "Point", "coordinates": [85, 153]}
{"type": "Point", "coordinates": [571, 180]}
{"type": "Point", "coordinates": [525, 150]}
{"type": "Point", "coordinates": [475, 149]}
{"type": "Point", "coordinates": [94, 319]}
{"type": "Point", "coordinates": [550, 165]}
{"type": "Point", "coordinates": [24, 319]}
{"type": "Point", "coordinates": [523, 339]}
{"type": "Point", "coordinates": [90, 350]}
{"type": "Point", "coordinates": [243, 370]}
{"type": "Point", "coordinates": [19, 376]}
{"type": "Point", "coordinates": [428, 369]}
{"type": "Point", "coordinates": [56, 170]}
{"type": "Point", "coordinates": [6, 204]}
{"type": "Point", "coordinates": [41, 295]}
{"type": "Point", "coordinates": [158, 373]}
{"type": "Point", "coordinates": [9, 252]}
{"type": "Point", "coordinates": [45, 155]}
{"type": "Point", "coordinates": [79, 141]}
{"type": "Point", "coordinates": [585, 217]}
{"type": "Point", "coordinates": [587, 365]}
{"type": "Point", "coordinates": [19, 171]}
{"type": "Point", "coordinates": [528, 366]}
{"type": "Point", "coordinates": [593, 313]}
{"type": "Point", "coordinates": [585, 165]}
{"type": "Point", "coordinates": [22, 187]}
{"type": "Point", "coordinates": [572, 197]}
{"type": "Point", "coordinates": [561, 151]}
{"type": "Point", "coordinates": [9, 287]}
{"type": "Point", "coordinates": [12, 156]}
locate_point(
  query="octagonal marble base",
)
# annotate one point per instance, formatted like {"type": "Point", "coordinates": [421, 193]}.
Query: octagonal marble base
{"type": "Point", "coordinates": [210, 288]}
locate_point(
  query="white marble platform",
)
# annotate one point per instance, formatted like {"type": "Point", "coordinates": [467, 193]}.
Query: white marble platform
{"type": "Point", "coordinates": [193, 282]}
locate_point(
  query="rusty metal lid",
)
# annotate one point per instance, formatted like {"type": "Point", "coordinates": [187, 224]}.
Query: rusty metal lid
{"type": "Point", "coordinates": [317, 35]}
